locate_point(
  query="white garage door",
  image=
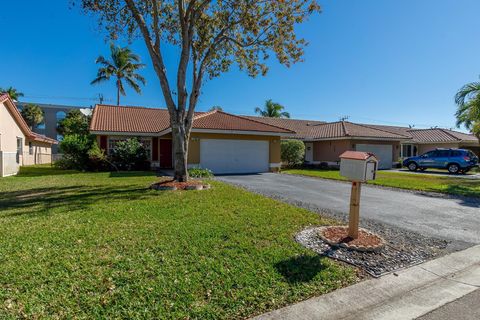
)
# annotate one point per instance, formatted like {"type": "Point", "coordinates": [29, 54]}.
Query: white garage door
{"type": "Point", "coordinates": [234, 156]}
{"type": "Point", "coordinates": [382, 151]}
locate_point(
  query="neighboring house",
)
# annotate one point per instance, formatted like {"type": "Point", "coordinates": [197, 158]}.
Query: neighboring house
{"type": "Point", "coordinates": [325, 142]}
{"type": "Point", "coordinates": [18, 144]}
{"type": "Point", "coordinates": [52, 114]}
{"type": "Point", "coordinates": [221, 142]}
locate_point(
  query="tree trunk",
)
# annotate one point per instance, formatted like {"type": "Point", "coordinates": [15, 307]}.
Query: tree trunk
{"type": "Point", "coordinates": [118, 95]}
{"type": "Point", "coordinates": [180, 146]}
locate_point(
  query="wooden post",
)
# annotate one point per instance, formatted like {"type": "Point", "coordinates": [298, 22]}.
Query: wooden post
{"type": "Point", "coordinates": [354, 217]}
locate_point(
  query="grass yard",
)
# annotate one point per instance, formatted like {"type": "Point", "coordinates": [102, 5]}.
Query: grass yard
{"type": "Point", "coordinates": [422, 182]}
{"type": "Point", "coordinates": [102, 245]}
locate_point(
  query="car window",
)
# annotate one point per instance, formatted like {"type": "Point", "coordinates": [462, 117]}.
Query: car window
{"type": "Point", "coordinates": [442, 153]}
{"type": "Point", "coordinates": [456, 153]}
{"type": "Point", "coordinates": [429, 154]}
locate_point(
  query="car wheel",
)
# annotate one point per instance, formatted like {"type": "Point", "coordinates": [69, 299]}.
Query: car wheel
{"type": "Point", "coordinates": [412, 166]}
{"type": "Point", "coordinates": [453, 168]}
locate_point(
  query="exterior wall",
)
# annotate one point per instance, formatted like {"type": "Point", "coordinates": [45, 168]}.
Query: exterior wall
{"type": "Point", "coordinates": [194, 145]}
{"type": "Point", "coordinates": [10, 161]}
{"type": "Point", "coordinates": [41, 153]}
{"type": "Point", "coordinates": [330, 150]}
{"type": "Point", "coordinates": [422, 148]}
{"type": "Point", "coordinates": [9, 132]}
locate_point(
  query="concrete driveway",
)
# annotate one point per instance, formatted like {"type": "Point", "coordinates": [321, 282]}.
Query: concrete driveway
{"type": "Point", "coordinates": [442, 217]}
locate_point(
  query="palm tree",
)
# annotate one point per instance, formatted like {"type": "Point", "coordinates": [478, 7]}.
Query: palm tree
{"type": "Point", "coordinates": [468, 112]}
{"type": "Point", "coordinates": [123, 66]}
{"type": "Point", "coordinates": [12, 92]}
{"type": "Point", "coordinates": [272, 110]}
{"type": "Point", "coordinates": [32, 114]}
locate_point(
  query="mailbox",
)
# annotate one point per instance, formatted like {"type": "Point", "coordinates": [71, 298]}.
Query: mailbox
{"type": "Point", "coordinates": [358, 166]}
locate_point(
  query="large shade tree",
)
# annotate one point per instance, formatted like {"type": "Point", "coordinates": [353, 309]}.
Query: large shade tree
{"type": "Point", "coordinates": [12, 92]}
{"type": "Point", "coordinates": [210, 37]}
{"type": "Point", "coordinates": [123, 67]}
{"type": "Point", "coordinates": [468, 112]}
{"type": "Point", "coordinates": [272, 110]}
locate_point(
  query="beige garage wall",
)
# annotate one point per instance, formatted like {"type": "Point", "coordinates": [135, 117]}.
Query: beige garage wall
{"type": "Point", "coordinates": [194, 146]}
{"type": "Point", "coordinates": [330, 150]}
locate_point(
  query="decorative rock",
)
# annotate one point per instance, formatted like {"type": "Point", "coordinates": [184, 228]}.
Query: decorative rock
{"type": "Point", "coordinates": [164, 188]}
{"type": "Point", "coordinates": [207, 186]}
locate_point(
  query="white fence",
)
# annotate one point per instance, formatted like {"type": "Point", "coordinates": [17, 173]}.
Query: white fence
{"type": "Point", "coordinates": [9, 163]}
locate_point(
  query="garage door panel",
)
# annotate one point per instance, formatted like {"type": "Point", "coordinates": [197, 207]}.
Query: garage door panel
{"type": "Point", "coordinates": [224, 156]}
{"type": "Point", "coordinates": [382, 151]}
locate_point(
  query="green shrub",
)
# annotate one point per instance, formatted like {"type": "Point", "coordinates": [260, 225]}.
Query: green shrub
{"type": "Point", "coordinates": [292, 152]}
{"type": "Point", "coordinates": [98, 160]}
{"type": "Point", "coordinates": [130, 155]}
{"type": "Point", "coordinates": [200, 173]}
{"type": "Point", "coordinates": [75, 152]}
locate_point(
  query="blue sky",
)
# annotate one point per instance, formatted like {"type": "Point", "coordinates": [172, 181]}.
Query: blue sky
{"type": "Point", "coordinates": [376, 61]}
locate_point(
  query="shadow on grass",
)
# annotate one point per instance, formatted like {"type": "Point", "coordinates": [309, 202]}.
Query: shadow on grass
{"type": "Point", "coordinates": [300, 269]}
{"type": "Point", "coordinates": [126, 174]}
{"type": "Point", "coordinates": [39, 201]}
{"type": "Point", "coordinates": [43, 171]}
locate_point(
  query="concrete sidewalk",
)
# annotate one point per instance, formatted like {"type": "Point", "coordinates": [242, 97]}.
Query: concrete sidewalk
{"type": "Point", "coordinates": [407, 294]}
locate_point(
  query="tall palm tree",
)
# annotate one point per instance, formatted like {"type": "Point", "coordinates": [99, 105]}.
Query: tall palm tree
{"type": "Point", "coordinates": [272, 110]}
{"type": "Point", "coordinates": [123, 66]}
{"type": "Point", "coordinates": [468, 112]}
{"type": "Point", "coordinates": [12, 92]}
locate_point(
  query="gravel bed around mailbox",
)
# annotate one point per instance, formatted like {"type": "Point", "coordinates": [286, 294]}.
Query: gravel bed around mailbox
{"type": "Point", "coordinates": [403, 249]}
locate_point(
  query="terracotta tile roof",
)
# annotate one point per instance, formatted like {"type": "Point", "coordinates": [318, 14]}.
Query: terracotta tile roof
{"type": "Point", "coordinates": [300, 127]}
{"type": "Point", "coordinates": [430, 135]}
{"type": "Point", "coordinates": [344, 129]}
{"type": "Point", "coordinates": [5, 98]}
{"type": "Point", "coordinates": [439, 135]}
{"type": "Point", "coordinates": [149, 120]}
{"type": "Point", "coordinates": [129, 119]}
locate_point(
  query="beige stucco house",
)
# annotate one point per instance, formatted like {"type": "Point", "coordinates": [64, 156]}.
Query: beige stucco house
{"type": "Point", "coordinates": [221, 142]}
{"type": "Point", "coordinates": [325, 142]}
{"type": "Point", "coordinates": [19, 146]}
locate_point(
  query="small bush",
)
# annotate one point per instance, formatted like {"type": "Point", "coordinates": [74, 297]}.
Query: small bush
{"type": "Point", "coordinates": [292, 152]}
{"type": "Point", "coordinates": [200, 173]}
{"type": "Point", "coordinates": [75, 152]}
{"type": "Point", "coordinates": [130, 155]}
{"type": "Point", "coordinates": [98, 160]}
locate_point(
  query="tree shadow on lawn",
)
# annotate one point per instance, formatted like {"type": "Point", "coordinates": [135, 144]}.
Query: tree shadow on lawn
{"type": "Point", "coordinates": [301, 268]}
{"type": "Point", "coordinates": [126, 174]}
{"type": "Point", "coordinates": [39, 201]}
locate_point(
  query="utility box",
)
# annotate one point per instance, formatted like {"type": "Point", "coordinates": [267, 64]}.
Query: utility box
{"type": "Point", "coordinates": [358, 166]}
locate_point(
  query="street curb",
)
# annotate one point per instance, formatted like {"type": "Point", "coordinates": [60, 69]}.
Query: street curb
{"type": "Point", "coordinates": [407, 294]}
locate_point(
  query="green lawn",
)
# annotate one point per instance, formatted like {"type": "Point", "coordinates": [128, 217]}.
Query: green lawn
{"type": "Point", "coordinates": [101, 245]}
{"type": "Point", "coordinates": [422, 182]}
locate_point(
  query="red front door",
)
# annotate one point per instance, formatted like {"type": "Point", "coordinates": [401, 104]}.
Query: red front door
{"type": "Point", "coordinates": [165, 153]}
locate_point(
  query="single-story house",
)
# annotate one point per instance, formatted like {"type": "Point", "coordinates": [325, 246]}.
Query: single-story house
{"type": "Point", "coordinates": [221, 142]}
{"type": "Point", "coordinates": [325, 142]}
{"type": "Point", "coordinates": [19, 145]}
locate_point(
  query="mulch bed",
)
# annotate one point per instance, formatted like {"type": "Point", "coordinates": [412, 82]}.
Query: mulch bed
{"type": "Point", "coordinates": [338, 236]}
{"type": "Point", "coordinates": [171, 184]}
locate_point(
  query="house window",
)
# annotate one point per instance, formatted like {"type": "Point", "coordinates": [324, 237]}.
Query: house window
{"type": "Point", "coordinates": [30, 148]}
{"type": "Point", "coordinates": [19, 148]}
{"type": "Point", "coordinates": [146, 142]}
{"type": "Point", "coordinates": [409, 150]}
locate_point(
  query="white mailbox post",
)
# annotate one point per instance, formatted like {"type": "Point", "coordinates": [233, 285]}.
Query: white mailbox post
{"type": "Point", "coordinates": [357, 167]}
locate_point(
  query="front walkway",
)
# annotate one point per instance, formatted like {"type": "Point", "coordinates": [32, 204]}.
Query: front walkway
{"type": "Point", "coordinates": [407, 294]}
